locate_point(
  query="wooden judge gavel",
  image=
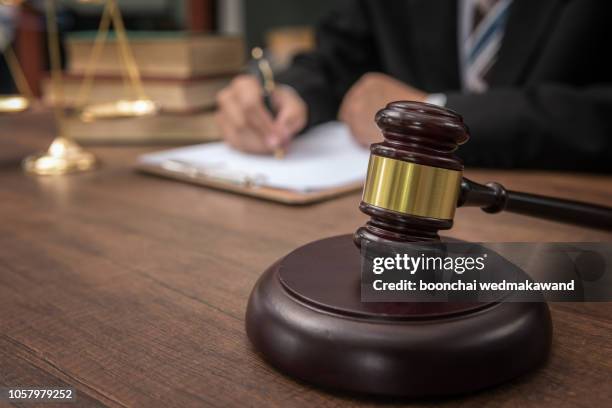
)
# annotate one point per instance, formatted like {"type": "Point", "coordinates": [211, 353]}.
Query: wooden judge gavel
{"type": "Point", "coordinates": [414, 181]}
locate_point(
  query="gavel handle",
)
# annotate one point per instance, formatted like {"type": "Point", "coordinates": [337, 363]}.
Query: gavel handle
{"type": "Point", "coordinates": [493, 198]}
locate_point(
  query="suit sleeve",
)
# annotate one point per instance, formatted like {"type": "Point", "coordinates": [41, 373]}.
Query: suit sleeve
{"type": "Point", "coordinates": [545, 126]}
{"type": "Point", "coordinates": [344, 52]}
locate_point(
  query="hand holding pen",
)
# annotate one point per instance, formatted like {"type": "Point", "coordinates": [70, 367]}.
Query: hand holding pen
{"type": "Point", "coordinates": [268, 85]}
{"type": "Point", "coordinates": [244, 114]}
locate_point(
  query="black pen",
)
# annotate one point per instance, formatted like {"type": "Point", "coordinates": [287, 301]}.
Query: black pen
{"type": "Point", "coordinates": [266, 77]}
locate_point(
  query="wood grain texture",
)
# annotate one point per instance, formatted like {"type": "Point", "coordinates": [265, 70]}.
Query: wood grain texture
{"type": "Point", "coordinates": [133, 289]}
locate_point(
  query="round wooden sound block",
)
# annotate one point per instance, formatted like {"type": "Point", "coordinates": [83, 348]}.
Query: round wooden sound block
{"type": "Point", "coordinates": [306, 317]}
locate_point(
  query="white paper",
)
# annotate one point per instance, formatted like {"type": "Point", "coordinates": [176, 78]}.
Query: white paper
{"type": "Point", "coordinates": [325, 157]}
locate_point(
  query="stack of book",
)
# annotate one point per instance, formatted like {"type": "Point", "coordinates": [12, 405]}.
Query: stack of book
{"type": "Point", "coordinates": [181, 73]}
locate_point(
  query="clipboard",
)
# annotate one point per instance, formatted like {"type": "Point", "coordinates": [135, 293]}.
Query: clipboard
{"type": "Point", "coordinates": [288, 197]}
{"type": "Point", "coordinates": [324, 163]}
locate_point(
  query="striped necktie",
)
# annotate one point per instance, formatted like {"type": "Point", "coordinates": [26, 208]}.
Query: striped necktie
{"type": "Point", "coordinates": [483, 44]}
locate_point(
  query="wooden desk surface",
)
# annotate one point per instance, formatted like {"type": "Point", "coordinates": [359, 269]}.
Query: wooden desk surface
{"type": "Point", "coordinates": [133, 289]}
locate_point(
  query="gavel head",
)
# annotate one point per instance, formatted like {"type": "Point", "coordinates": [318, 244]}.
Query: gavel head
{"type": "Point", "coordinates": [414, 177]}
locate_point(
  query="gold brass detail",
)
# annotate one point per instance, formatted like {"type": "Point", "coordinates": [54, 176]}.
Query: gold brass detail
{"type": "Point", "coordinates": [411, 188]}
{"type": "Point", "coordinates": [64, 155]}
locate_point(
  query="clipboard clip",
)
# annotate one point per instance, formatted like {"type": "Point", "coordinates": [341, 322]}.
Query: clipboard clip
{"type": "Point", "coordinates": [241, 179]}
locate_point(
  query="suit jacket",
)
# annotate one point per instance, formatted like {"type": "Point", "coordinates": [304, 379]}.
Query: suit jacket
{"type": "Point", "coordinates": [549, 104]}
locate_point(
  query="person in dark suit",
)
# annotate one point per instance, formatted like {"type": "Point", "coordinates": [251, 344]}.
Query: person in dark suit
{"type": "Point", "coordinates": [532, 79]}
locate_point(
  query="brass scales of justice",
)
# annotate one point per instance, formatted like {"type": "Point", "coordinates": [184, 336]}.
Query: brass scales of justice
{"type": "Point", "coordinates": [64, 155]}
